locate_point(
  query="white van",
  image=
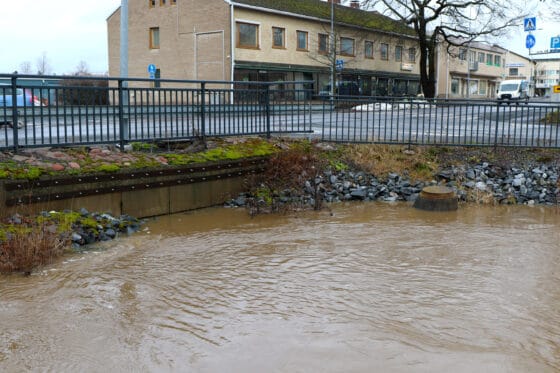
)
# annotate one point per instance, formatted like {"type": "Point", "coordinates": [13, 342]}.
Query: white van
{"type": "Point", "coordinates": [511, 90]}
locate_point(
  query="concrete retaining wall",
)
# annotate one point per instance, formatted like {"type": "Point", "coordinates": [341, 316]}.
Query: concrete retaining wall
{"type": "Point", "coordinates": [139, 193]}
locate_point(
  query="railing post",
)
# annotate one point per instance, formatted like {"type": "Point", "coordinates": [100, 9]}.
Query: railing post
{"type": "Point", "coordinates": [123, 119]}
{"type": "Point", "coordinates": [15, 113]}
{"type": "Point", "coordinates": [267, 109]}
{"type": "Point", "coordinates": [497, 125]}
{"type": "Point", "coordinates": [203, 112]}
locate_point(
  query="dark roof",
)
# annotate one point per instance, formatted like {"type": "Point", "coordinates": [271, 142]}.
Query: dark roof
{"type": "Point", "coordinates": [344, 14]}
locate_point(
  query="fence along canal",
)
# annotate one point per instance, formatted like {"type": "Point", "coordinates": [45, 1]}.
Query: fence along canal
{"type": "Point", "coordinates": [93, 110]}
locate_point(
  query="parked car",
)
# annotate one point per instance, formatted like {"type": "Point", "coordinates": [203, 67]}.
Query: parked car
{"type": "Point", "coordinates": [24, 98]}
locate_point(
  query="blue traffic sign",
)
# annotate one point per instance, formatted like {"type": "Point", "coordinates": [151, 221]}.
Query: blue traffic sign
{"type": "Point", "coordinates": [530, 24]}
{"type": "Point", "coordinates": [530, 41]}
{"type": "Point", "coordinates": [555, 42]}
{"type": "Point", "coordinates": [339, 65]}
{"type": "Point", "coordinates": [152, 68]}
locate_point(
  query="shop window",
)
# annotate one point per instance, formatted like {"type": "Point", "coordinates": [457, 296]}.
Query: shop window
{"type": "Point", "coordinates": [482, 87]}
{"type": "Point", "coordinates": [247, 35]}
{"type": "Point", "coordinates": [278, 37]}
{"type": "Point", "coordinates": [454, 86]}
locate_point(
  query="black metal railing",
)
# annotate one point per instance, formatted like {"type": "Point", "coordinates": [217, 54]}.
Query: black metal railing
{"type": "Point", "coordinates": [55, 111]}
{"type": "Point", "coordinates": [91, 110]}
{"type": "Point", "coordinates": [418, 121]}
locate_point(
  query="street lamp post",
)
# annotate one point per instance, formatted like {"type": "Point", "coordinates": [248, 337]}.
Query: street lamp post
{"type": "Point", "coordinates": [333, 54]}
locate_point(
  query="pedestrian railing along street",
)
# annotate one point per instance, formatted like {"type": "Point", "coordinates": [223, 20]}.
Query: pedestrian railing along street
{"type": "Point", "coordinates": [37, 111]}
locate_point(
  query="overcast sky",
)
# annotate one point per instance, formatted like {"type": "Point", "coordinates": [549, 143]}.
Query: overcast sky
{"type": "Point", "coordinates": [70, 31]}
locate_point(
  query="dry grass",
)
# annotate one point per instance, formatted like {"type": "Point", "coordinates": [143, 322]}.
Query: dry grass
{"type": "Point", "coordinates": [26, 249]}
{"type": "Point", "coordinates": [380, 160]}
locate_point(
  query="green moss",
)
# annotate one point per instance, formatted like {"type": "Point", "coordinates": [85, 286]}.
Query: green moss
{"type": "Point", "coordinates": [11, 170]}
{"type": "Point", "coordinates": [108, 168]}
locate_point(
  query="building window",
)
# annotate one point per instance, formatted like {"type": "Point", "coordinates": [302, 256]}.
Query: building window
{"type": "Point", "coordinates": [323, 43]}
{"type": "Point", "coordinates": [368, 49]}
{"type": "Point", "coordinates": [472, 56]}
{"type": "Point", "coordinates": [384, 49]}
{"type": "Point", "coordinates": [302, 40]}
{"type": "Point", "coordinates": [489, 59]}
{"type": "Point", "coordinates": [497, 60]}
{"type": "Point", "coordinates": [278, 37]}
{"type": "Point", "coordinates": [247, 35]}
{"type": "Point", "coordinates": [154, 38]}
{"type": "Point", "coordinates": [482, 88]}
{"type": "Point", "coordinates": [513, 71]}
{"type": "Point", "coordinates": [411, 54]}
{"type": "Point", "coordinates": [152, 3]}
{"type": "Point", "coordinates": [463, 54]}
{"type": "Point", "coordinates": [473, 87]}
{"type": "Point", "coordinates": [347, 47]}
{"type": "Point", "coordinates": [454, 86]}
{"type": "Point", "coordinates": [481, 57]}
{"type": "Point", "coordinates": [398, 53]}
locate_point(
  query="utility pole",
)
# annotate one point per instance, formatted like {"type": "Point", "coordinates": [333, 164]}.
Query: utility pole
{"type": "Point", "coordinates": [332, 54]}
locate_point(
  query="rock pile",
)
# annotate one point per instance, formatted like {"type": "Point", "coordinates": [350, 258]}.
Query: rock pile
{"type": "Point", "coordinates": [481, 183]}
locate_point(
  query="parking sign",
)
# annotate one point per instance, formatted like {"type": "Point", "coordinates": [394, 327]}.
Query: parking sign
{"type": "Point", "coordinates": [555, 42]}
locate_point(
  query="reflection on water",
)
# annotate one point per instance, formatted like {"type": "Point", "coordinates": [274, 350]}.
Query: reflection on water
{"type": "Point", "coordinates": [372, 287]}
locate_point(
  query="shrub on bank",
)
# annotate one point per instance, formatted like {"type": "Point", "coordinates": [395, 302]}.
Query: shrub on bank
{"type": "Point", "coordinates": [30, 242]}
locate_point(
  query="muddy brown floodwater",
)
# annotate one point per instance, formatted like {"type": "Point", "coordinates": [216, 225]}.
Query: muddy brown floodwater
{"type": "Point", "coordinates": [371, 288]}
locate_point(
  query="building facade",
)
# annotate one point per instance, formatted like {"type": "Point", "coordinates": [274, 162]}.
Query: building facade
{"type": "Point", "coordinates": [476, 70]}
{"type": "Point", "coordinates": [547, 76]}
{"type": "Point", "coordinates": [268, 40]}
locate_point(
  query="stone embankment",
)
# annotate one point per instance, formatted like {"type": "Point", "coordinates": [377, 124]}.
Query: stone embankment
{"type": "Point", "coordinates": [86, 228]}
{"type": "Point", "coordinates": [481, 183]}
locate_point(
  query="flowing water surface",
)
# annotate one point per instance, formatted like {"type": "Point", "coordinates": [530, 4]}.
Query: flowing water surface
{"type": "Point", "coordinates": [367, 287]}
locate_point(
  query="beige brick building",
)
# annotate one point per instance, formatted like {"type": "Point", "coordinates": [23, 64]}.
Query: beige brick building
{"type": "Point", "coordinates": [267, 40]}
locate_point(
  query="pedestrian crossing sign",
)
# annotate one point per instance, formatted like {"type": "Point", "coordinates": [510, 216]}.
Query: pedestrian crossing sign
{"type": "Point", "coordinates": [530, 24]}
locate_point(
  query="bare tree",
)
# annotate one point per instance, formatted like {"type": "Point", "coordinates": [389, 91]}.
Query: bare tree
{"type": "Point", "coordinates": [82, 69]}
{"type": "Point", "coordinates": [43, 65]}
{"type": "Point", "coordinates": [25, 67]}
{"type": "Point", "coordinates": [453, 22]}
